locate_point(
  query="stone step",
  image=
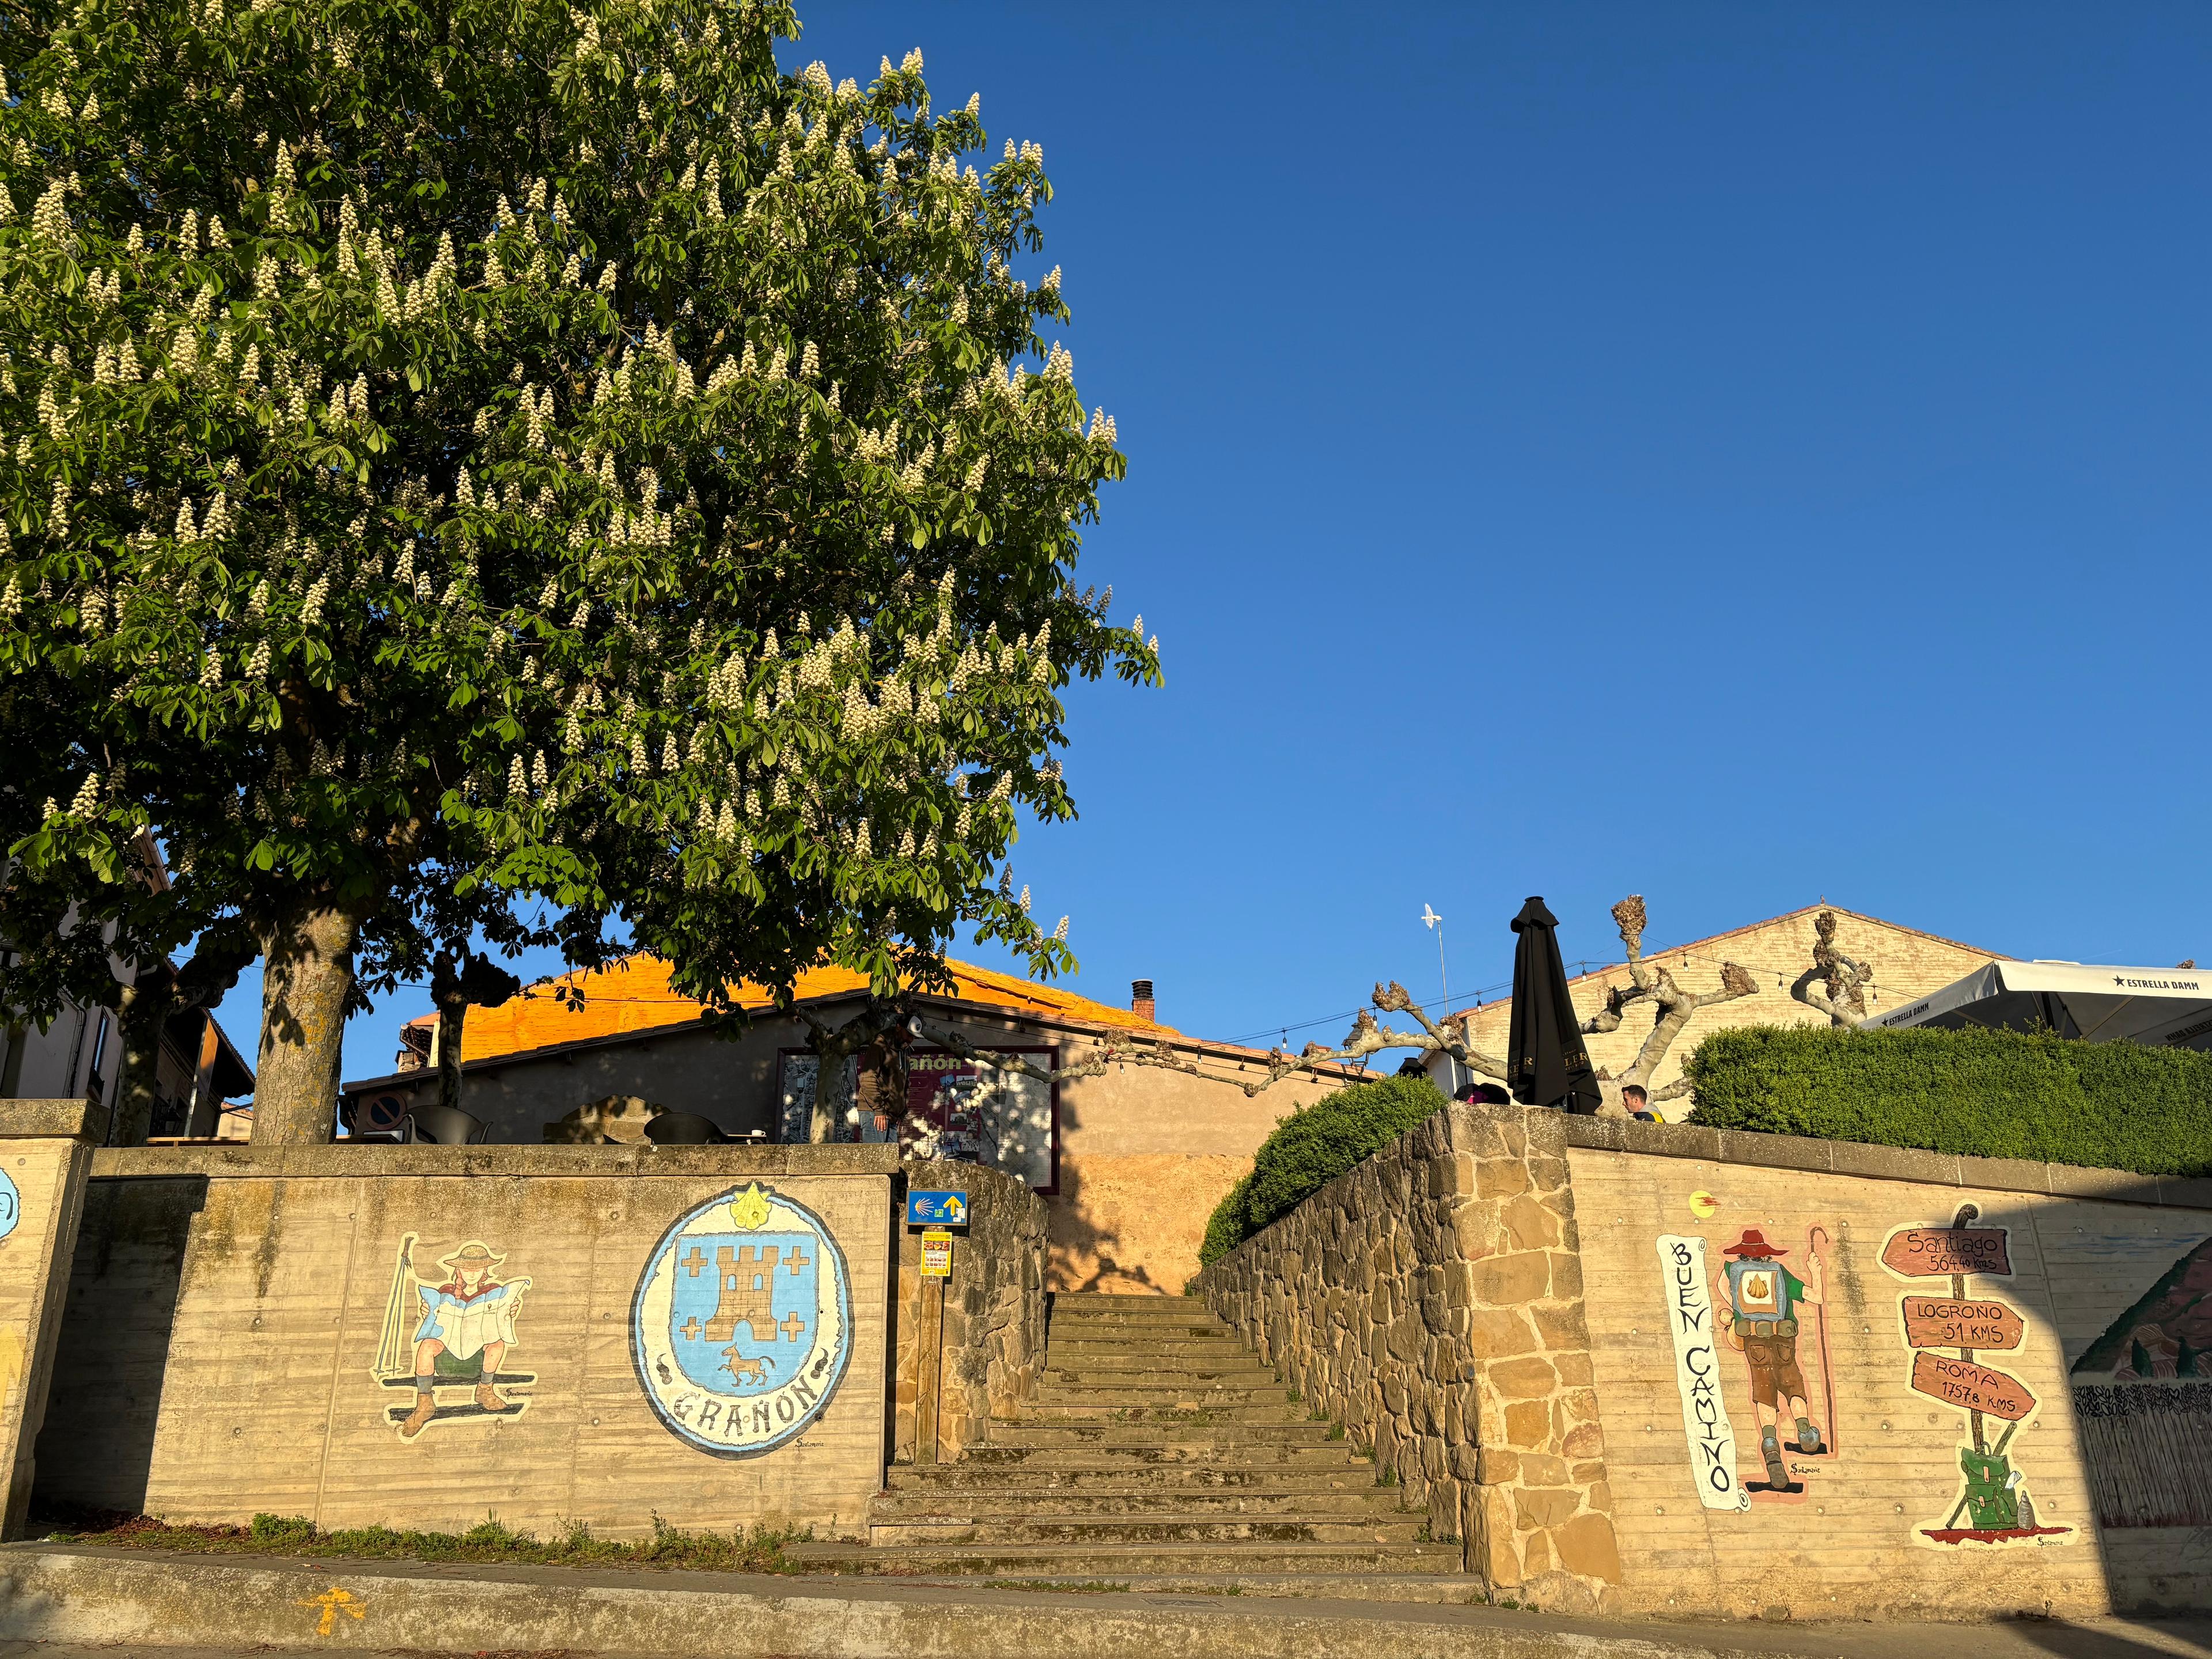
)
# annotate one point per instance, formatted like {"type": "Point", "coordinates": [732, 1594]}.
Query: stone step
{"type": "Point", "coordinates": [1180, 1463]}
{"type": "Point", "coordinates": [1166, 1408]}
{"type": "Point", "coordinates": [1137, 1529]}
{"type": "Point", "coordinates": [1158, 1339]}
{"type": "Point", "coordinates": [1137, 1318]}
{"type": "Point", "coordinates": [1137, 1451]}
{"type": "Point", "coordinates": [1091, 1563]}
{"type": "Point", "coordinates": [1116, 1362]}
{"type": "Point", "coordinates": [1040, 1473]}
{"type": "Point", "coordinates": [1124, 1501]}
{"type": "Point", "coordinates": [1204, 1438]}
{"type": "Point", "coordinates": [1119, 1299]}
{"type": "Point", "coordinates": [1439, 1590]}
{"type": "Point", "coordinates": [1173, 1343]}
{"type": "Point", "coordinates": [1161, 1380]}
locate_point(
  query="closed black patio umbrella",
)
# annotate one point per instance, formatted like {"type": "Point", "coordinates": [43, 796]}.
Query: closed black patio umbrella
{"type": "Point", "coordinates": [1550, 1066]}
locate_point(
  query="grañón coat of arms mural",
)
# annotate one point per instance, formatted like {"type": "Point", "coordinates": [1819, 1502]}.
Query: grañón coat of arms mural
{"type": "Point", "coordinates": [743, 1322]}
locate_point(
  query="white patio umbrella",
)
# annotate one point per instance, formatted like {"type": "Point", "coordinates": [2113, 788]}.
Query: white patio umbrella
{"type": "Point", "coordinates": [2160, 1007]}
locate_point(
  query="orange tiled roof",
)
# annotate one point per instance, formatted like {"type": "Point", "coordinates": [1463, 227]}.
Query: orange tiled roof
{"type": "Point", "coordinates": [634, 995]}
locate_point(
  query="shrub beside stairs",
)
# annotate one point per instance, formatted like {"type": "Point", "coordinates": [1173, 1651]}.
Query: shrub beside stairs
{"type": "Point", "coordinates": [1157, 1448]}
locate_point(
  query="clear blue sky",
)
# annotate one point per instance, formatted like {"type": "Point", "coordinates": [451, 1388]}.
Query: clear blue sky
{"type": "Point", "coordinates": [1736, 453]}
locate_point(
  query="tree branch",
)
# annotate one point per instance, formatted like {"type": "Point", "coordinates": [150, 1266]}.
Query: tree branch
{"type": "Point", "coordinates": [1629, 916]}
{"type": "Point", "coordinates": [1676, 1009]}
{"type": "Point", "coordinates": [1844, 979]}
{"type": "Point", "coordinates": [1366, 1037]}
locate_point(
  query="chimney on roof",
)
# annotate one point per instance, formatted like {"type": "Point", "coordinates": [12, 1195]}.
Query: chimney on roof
{"type": "Point", "coordinates": [1141, 998]}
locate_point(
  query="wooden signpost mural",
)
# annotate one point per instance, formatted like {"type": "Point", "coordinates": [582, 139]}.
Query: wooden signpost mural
{"type": "Point", "coordinates": [1995, 1503]}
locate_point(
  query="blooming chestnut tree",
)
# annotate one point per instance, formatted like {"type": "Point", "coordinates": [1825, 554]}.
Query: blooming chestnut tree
{"type": "Point", "coordinates": [545, 444]}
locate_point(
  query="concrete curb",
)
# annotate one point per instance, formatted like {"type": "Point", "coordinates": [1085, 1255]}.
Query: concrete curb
{"type": "Point", "coordinates": [64, 1594]}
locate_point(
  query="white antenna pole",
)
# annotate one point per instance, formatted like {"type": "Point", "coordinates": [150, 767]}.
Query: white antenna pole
{"type": "Point", "coordinates": [1435, 922]}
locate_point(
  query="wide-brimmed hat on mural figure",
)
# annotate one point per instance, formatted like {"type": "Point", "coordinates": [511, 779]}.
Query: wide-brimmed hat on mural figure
{"type": "Point", "coordinates": [1753, 1244]}
{"type": "Point", "coordinates": [471, 1255]}
{"type": "Point", "coordinates": [1550, 1066]}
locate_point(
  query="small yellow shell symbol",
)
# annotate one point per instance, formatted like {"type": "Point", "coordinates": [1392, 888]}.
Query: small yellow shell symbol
{"type": "Point", "coordinates": [749, 1210]}
{"type": "Point", "coordinates": [1702, 1205]}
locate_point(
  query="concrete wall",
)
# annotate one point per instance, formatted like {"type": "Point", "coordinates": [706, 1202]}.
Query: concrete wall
{"type": "Point", "coordinates": [2106, 1271]}
{"type": "Point", "coordinates": [2004, 1370]}
{"type": "Point", "coordinates": [230, 1345]}
{"type": "Point", "coordinates": [44, 1146]}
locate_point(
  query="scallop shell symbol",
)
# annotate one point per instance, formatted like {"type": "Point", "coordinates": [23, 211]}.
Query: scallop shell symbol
{"type": "Point", "coordinates": [1702, 1205]}
{"type": "Point", "coordinates": [748, 1209]}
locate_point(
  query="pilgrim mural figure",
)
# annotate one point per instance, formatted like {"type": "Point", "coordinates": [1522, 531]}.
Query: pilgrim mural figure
{"type": "Point", "coordinates": [459, 1342]}
{"type": "Point", "coordinates": [1759, 1299]}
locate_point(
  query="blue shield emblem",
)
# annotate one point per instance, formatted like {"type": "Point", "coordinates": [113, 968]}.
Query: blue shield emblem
{"type": "Point", "coordinates": [745, 1309]}
{"type": "Point", "coordinates": [743, 1322]}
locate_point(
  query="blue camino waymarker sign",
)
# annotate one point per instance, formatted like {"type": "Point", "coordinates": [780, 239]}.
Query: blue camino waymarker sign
{"type": "Point", "coordinates": [936, 1209]}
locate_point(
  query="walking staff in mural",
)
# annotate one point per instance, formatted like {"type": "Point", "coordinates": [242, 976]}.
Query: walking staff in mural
{"type": "Point", "coordinates": [1758, 1300]}
{"type": "Point", "coordinates": [462, 1338]}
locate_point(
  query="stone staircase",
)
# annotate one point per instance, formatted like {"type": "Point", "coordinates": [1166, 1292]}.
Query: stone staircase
{"type": "Point", "coordinates": [1157, 1448]}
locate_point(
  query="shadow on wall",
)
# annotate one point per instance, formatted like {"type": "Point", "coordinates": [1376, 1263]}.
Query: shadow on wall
{"type": "Point", "coordinates": [95, 1449]}
{"type": "Point", "coordinates": [1083, 1249]}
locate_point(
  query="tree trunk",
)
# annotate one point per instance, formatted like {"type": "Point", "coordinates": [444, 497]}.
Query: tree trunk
{"type": "Point", "coordinates": [452, 1014]}
{"type": "Point", "coordinates": [306, 976]}
{"type": "Point", "coordinates": [141, 1013]}
{"type": "Point", "coordinates": [831, 1099]}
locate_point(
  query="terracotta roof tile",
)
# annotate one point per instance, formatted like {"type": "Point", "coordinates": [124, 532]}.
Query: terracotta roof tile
{"type": "Point", "coordinates": [634, 995]}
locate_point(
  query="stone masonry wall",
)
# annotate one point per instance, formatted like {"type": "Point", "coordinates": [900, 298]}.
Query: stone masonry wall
{"type": "Point", "coordinates": [1432, 1301]}
{"type": "Point", "coordinates": [995, 1307]}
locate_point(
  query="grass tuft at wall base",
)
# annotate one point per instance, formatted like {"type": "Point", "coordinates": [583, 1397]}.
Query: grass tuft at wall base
{"type": "Point", "coordinates": [1979, 1094]}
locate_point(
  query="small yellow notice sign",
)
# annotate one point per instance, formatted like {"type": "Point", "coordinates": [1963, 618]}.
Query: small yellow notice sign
{"type": "Point", "coordinates": [936, 1253]}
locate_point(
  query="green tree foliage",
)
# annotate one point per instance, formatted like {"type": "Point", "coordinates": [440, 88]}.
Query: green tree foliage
{"type": "Point", "coordinates": [524, 448]}
{"type": "Point", "coordinates": [1983, 1094]}
{"type": "Point", "coordinates": [1314, 1145]}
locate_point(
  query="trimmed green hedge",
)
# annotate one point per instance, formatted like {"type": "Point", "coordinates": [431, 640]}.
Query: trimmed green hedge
{"type": "Point", "coordinates": [1984, 1094]}
{"type": "Point", "coordinates": [1314, 1145]}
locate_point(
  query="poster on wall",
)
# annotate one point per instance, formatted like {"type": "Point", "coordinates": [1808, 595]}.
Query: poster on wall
{"type": "Point", "coordinates": [954, 1108]}
{"type": "Point", "coordinates": [1747, 1308]}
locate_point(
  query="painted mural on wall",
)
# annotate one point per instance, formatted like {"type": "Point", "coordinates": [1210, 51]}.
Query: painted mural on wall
{"type": "Point", "coordinates": [11, 1205]}
{"type": "Point", "coordinates": [447, 1341]}
{"type": "Point", "coordinates": [1747, 1308]}
{"type": "Point", "coordinates": [742, 1325]}
{"type": "Point", "coordinates": [2143, 1397]}
{"type": "Point", "coordinates": [1946, 1334]}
